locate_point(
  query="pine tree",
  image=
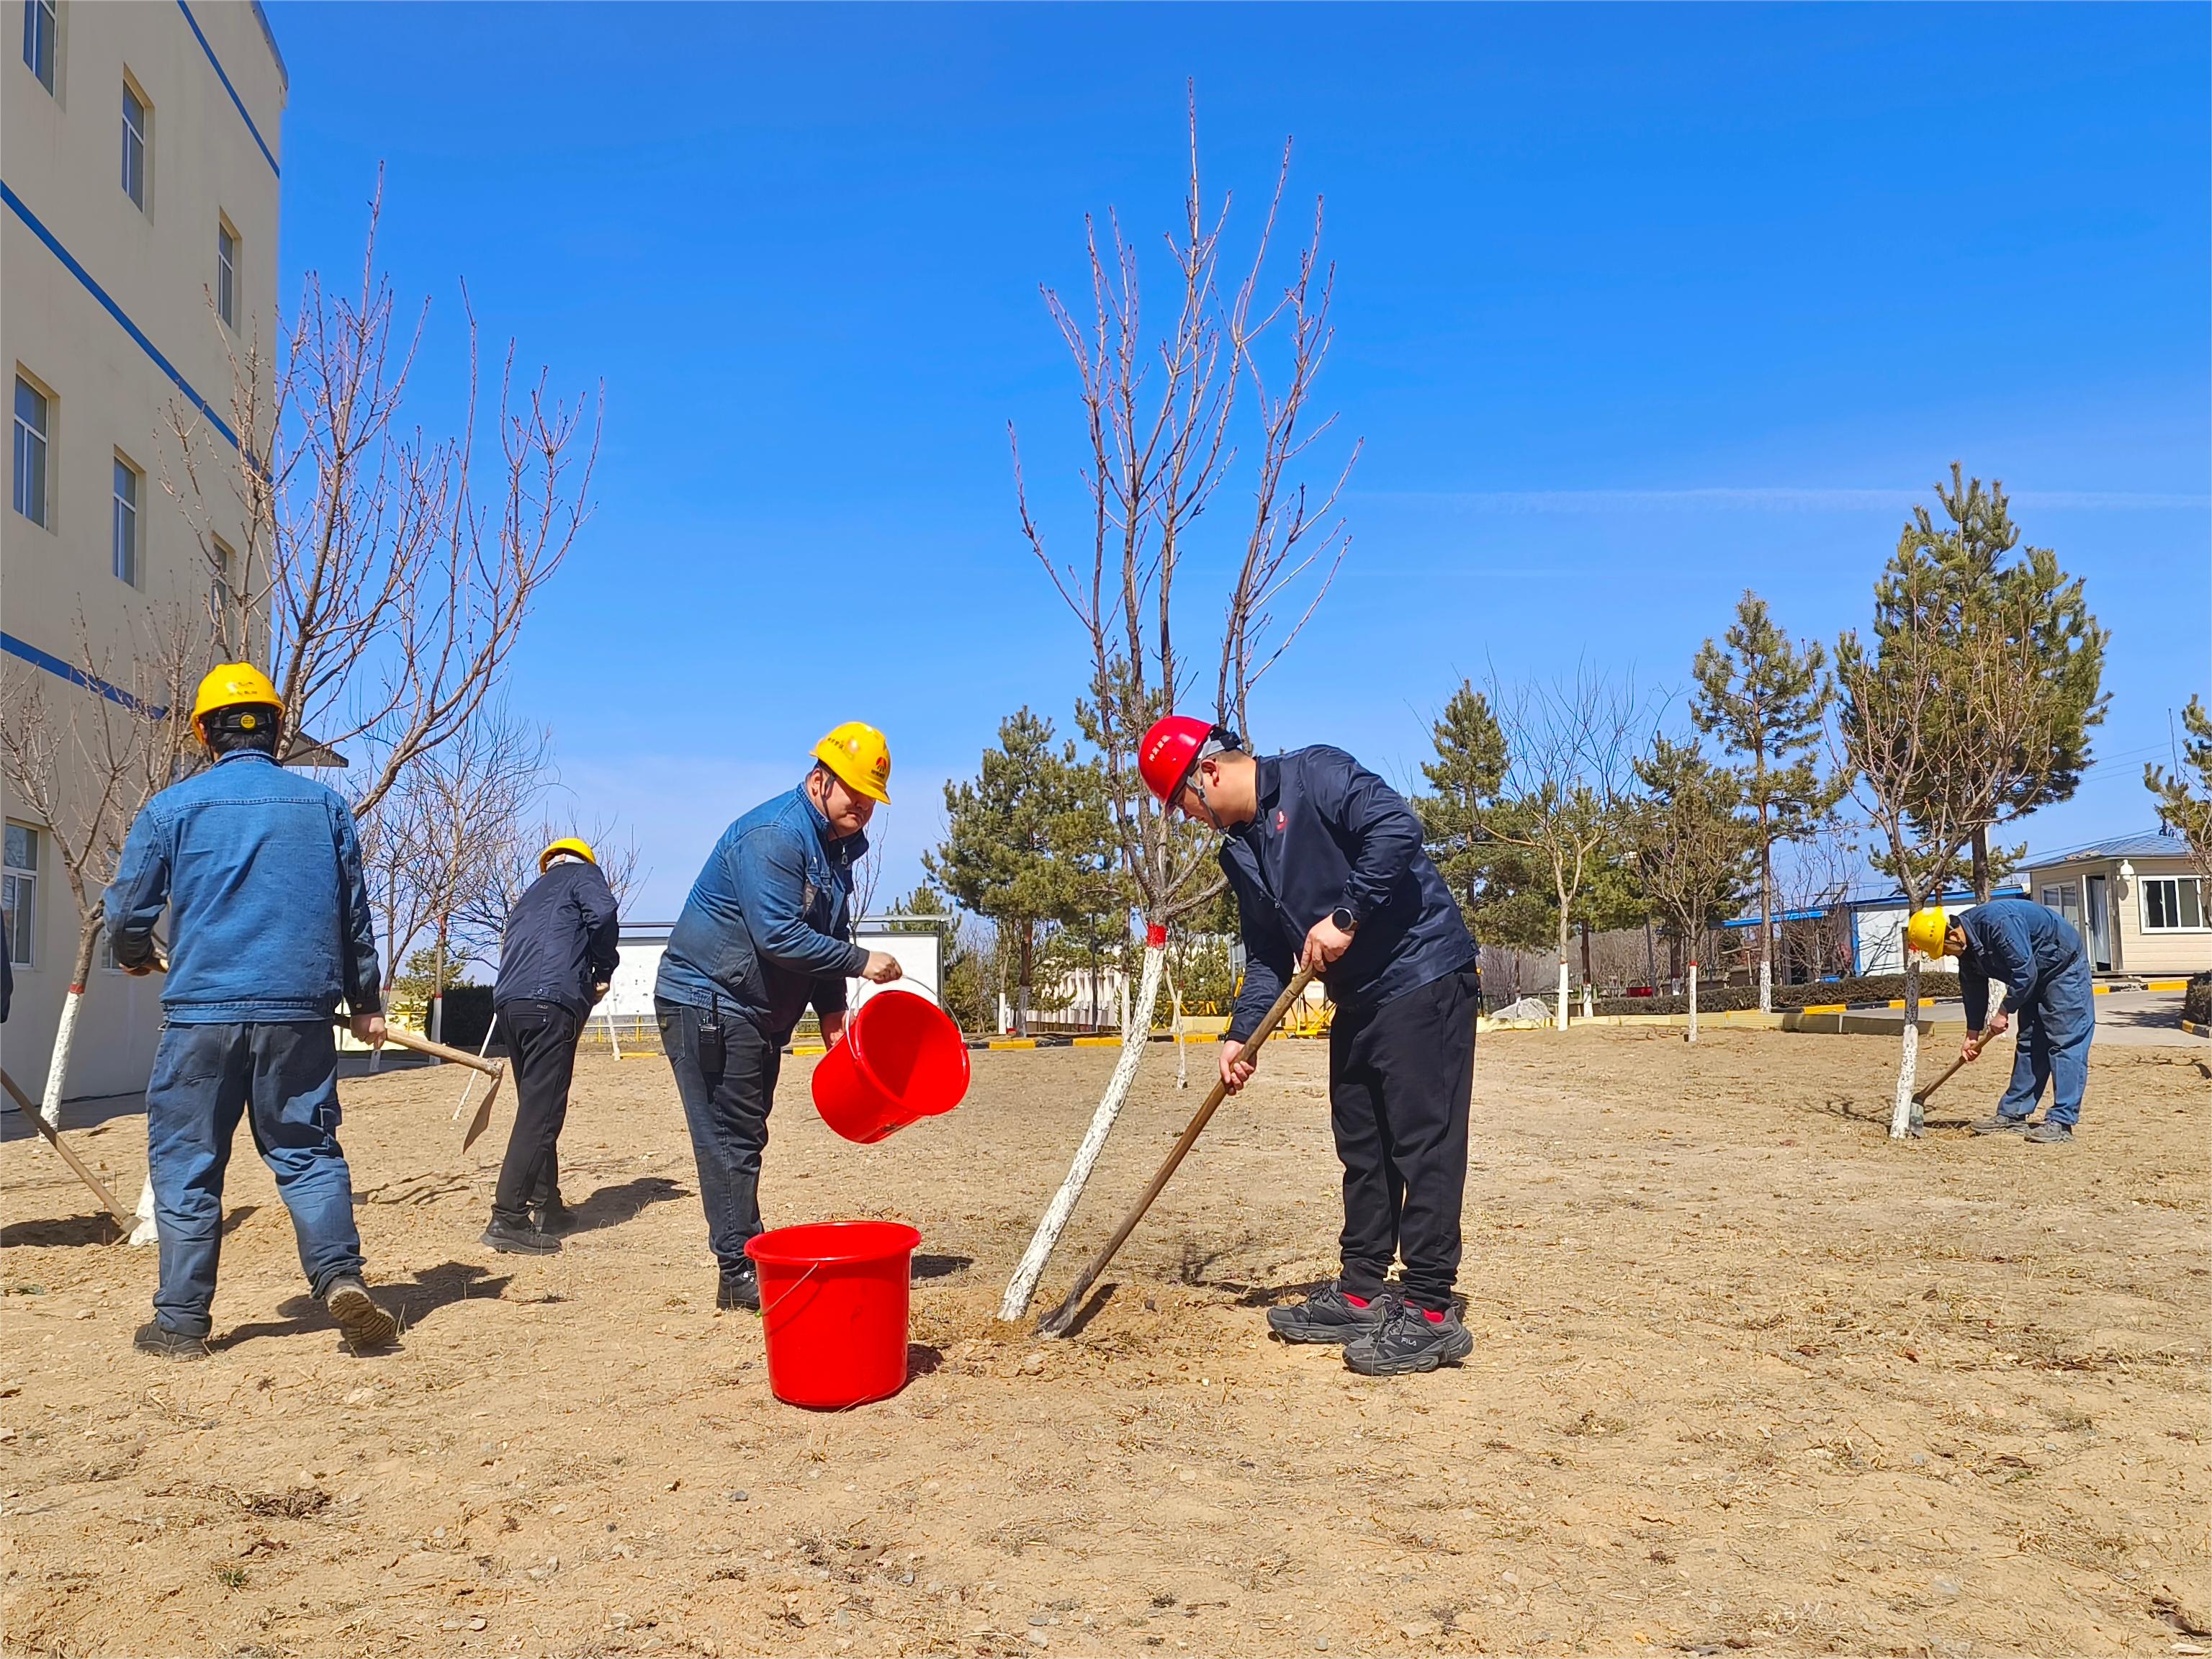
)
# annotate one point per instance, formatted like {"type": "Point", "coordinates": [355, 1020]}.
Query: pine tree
{"type": "Point", "coordinates": [1028, 844]}
{"type": "Point", "coordinates": [1766, 701]}
{"type": "Point", "coordinates": [2067, 655]}
{"type": "Point", "coordinates": [1692, 843]}
{"type": "Point", "coordinates": [1502, 894]}
{"type": "Point", "coordinates": [2187, 809]}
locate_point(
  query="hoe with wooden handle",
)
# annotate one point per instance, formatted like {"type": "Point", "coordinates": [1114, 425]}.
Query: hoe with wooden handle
{"type": "Point", "coordinates": [1920, 1096]}
{"type": "Point", "coordinates": [1056, 1322]}
{"type": "Point", "coordinates": [494, 1069]}
{"type": "Point", "coordinates": [124, 1218]}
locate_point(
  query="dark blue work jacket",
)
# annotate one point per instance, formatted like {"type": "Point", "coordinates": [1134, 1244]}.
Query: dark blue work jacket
{"type": "Point", "coordinates": [272, 922]}
{"type": "Point", "coordinates": [1328, 833]}
{"type": "Point", "coordinates": [559, 944]}
{"type": "Point", "coordinates": [2024, 945]}
{"type": "Point", "coordinates": [767, 927]}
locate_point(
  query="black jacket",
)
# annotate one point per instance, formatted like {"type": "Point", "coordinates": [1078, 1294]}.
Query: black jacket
{"type": "Point", "coordinates": [560, 940]}
{"type": "Point", "coordinates": [1329, 832]}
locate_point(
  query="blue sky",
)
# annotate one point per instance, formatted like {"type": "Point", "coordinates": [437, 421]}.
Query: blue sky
{"type": "Point", "coordinates": [1636, 308]}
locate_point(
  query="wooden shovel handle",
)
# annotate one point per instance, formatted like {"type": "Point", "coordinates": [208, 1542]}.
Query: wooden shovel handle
{"type": "Point", "coordinates": [124, 1218]}
{"type": "Point", "coordinates": [1056, 1322]}
{"type": "Point", "coordinates": [400, 1039]}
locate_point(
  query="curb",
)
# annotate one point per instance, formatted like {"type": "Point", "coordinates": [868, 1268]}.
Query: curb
{"type": "Point", "coordinates": [2195, 1030]}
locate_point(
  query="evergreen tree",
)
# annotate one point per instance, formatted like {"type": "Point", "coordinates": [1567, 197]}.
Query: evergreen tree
{"type": "Point", "coordinates": [2067, 655]}
{"type": "Point", "coordinates": [1028, 844]}
{"type": "Point", "coordinates": [2187, 807]}
{"type": "Point", "coordinates": [1693, 842]}
{"type": "Point", "coordinates": [1505, 898]}
{"type": "Point", "coordinates": [1766, 700]}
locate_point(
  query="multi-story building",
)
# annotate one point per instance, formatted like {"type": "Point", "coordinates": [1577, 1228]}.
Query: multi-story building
{"type": "Point", "coordinates": [139, 149]}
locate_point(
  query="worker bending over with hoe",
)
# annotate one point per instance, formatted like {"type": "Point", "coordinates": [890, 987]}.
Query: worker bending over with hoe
{"type": "Point", "coordinates": [2038, 956]}
{"type": "Point", "coordinates": [767, 929]}
{"type": "Point", "coordinates": [555, 959]}
{"type": "Point", "coordinates": [269, 931]}
{"type": "Point", "coordinates": [1326, 862]}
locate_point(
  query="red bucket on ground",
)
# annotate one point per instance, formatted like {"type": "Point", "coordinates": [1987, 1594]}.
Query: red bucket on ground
{"type": "Point", "coordinates": [834, 1301]}
{"type": "Point", "coordinates": [902, 1058]}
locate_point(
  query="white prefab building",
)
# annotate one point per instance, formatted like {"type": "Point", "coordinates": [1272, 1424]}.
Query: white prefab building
{"type": "Point", "coordinates": [139, 152]}
{"type": "Point", "coordinates": [629, 993]}
{"type": "Point", "coordinates": [2138, 900]}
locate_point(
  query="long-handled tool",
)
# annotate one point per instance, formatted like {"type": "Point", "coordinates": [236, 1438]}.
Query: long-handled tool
{"type": "Point", "coordinates": [1920, 1096]}
{"type": "Point", "coordinates": [1056, 1322]}
{"type": "Point", "coordinates": [124, 1218]}
{"type": "Point", "coordinates": [494, 1069]}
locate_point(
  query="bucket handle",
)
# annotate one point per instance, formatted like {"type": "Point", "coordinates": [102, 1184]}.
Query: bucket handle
{"type": "Point", "coordinates": [792, 1290]}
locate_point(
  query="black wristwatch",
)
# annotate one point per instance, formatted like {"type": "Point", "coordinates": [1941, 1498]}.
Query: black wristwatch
{"type": "Point", "coordinates": [1343, 921]}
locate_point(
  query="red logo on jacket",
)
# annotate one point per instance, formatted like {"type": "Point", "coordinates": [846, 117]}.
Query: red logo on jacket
{"type": "Point", "coordinates": [1281, 819]}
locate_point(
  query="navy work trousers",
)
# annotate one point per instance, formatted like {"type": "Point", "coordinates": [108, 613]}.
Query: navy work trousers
{"type": "Point", "coordinates": [282, 1079]}
{"type": "Point", "coordinates": [727, 1111]}
{"type": "Point", "coordinates": [2055, 1021]}
{"type": "Point", "coordinates": [1401, 1083]}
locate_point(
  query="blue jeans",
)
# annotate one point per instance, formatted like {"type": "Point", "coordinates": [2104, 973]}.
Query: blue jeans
{"type": "Point", "coordinates": [205, 1078]}
{"type": "Point", "coordinates": [727, 1111]}
{"type": "Point", "coordinates": [2057, 1021]}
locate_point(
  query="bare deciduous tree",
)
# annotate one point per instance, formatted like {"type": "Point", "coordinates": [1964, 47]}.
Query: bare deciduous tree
{"type": "Point", "coordinates": [1161, 416]}
{"type": "Point", "coordinates": [84, 760]}
{"type": "Point", "coordinates": [390, 584]}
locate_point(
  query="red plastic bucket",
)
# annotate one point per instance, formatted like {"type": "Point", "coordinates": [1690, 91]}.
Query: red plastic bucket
{"type": "Point", "coordinates": [834, 1301]}
{"type": "Point", "coordinates": [902, 1058]}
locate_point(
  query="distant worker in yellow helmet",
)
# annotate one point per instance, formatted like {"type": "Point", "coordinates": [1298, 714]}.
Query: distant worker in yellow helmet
{"type": "Point", "coordinates": [556, 956]}
{"type": "Point", "coordinates": [261, 876]}
{"type": "Point", "coordinates": [2037, 954]}
{"type": "Point", "coordinates": [767, 930]}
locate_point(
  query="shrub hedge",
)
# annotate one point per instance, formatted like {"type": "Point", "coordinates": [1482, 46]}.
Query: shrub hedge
{"type": "Point", "coordinates": [1877, 988]}
{"type": "Point", "coordinates": [2196, 1000]}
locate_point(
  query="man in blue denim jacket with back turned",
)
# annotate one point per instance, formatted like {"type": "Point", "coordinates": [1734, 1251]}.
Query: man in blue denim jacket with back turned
{"type": "Point", "coordinates": [270, 932]}
{"type": "Point", "coordinates": [767, 929]}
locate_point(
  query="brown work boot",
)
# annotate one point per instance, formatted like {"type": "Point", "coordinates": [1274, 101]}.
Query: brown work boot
{"type": "Point", "coordinates": [365, 1324]}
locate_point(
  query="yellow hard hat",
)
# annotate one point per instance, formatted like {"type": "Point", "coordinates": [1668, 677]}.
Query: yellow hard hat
{"type": "Point", "coordinates": [582, 849]}
{"type": "Point", "coordinates": [1924, 930]}
{"type": "Point", "coordinates": [230, 685]}
{"type": "Point", "coordinates": [857, 753]}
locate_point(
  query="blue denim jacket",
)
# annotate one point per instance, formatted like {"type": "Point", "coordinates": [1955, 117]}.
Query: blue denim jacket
{"type": "Point", "coordinates": [2019, 944]}
{"type": "Point", "coordinates": [1329, 832]}
{"type": "Point", "coordinates": [767, 927]}
{"type": "Point", "coordinates": [272, 920]}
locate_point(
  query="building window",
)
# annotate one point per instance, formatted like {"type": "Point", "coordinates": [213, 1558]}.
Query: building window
{"type": "Point", "coordinates": [33, 411]}
{"type": "Point", "coordinates": [221, 601]}
{"type": "Point", "coordinates": [39, 31]}
{"type": "Point", "coordinates": [226, 274]}
{"type": "Point", "coordinates": [129, 481]}
{"type": "Point", "coordinates": [134, 145]}
{"type": "Point", "coordinates": [19, 893]}
{"type": "Point", "coordinates": [2173, 904]}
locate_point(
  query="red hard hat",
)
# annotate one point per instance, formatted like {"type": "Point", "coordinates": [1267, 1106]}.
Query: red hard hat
{"type": "Point", "coordinates": [1169, 751]}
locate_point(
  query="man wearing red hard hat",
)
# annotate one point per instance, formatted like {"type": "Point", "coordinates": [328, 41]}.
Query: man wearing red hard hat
{"type": "Point", "coordinates": [1326, 862]}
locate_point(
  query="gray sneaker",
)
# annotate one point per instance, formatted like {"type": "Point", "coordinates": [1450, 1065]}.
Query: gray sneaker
{"type": "Point", "coordinates": [1327, 1316]}
{"type": "Point", "coordinates": [2051, 1134]}
{"type": "Point", "coordinates": [365, 1324]}
{"type": "Point", "coordinates": [1408, 1341]}
{"type": "Point", "coordinates": [1999, 1125]}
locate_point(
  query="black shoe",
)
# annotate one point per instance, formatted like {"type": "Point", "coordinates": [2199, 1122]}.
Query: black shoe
{"type": "Point", "coordinates": [555, 1219]}
{"type": "Point", "coordinates": [1327, 1316]}
{"type": "Point", "coordinates": [1409, 1340]}
{"type": "Point", "coordinates": [365, 1324]}
{"type": "Point", "coordinates": [2051, 1134]}
{"type": "Point", "coordinates": [509, 1239]}
{"type": "Point", "coordinates": [739, 1288]}
{"type": "Point", "coordinates": [154, 1338]}
{"type": "Point", "coordinates": [1999, 1125]}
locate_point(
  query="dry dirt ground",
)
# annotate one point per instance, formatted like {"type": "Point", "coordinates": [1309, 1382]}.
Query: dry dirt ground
{"type": "Point", "coordinates": [1747, 1377]}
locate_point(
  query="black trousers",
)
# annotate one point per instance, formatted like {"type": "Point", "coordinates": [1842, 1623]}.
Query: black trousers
{"type": "Point", "coordinates": [727, 1111]}
{"type": "Point", "coordinates": [541, 1046]}
{"type": "Point", "coordinates": [1401, 1081]}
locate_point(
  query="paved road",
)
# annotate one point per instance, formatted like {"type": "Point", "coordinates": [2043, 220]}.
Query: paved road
{"type": "Point", "coordinates": [2128, 1018]}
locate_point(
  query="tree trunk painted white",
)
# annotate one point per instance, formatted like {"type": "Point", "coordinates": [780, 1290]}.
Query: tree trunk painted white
{"type": "Point", "coordinates": [1765, 986]}
{"type": "Point", "coordinates": [1908, 1062]}
{"type": "Point", "coordinates": [146, 1232]}
{"type": "Point", "coordinates": [1136, 1032]}
{"type": "Point", "coordinates": [50, 1107]}
{"type": "Point", "coordinates": [1693, 1002]}
{"type": "Point", "coordinates": [1589, 1009]}
{"type": "Point", "coordinates": [469, 1077]}
{"type": "Point", "coordinates": [614, 1043]}
{"type": "Point", "coordinates": [1563, 996]}
{"type": "Point", "coordinates": [1175, 991]}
